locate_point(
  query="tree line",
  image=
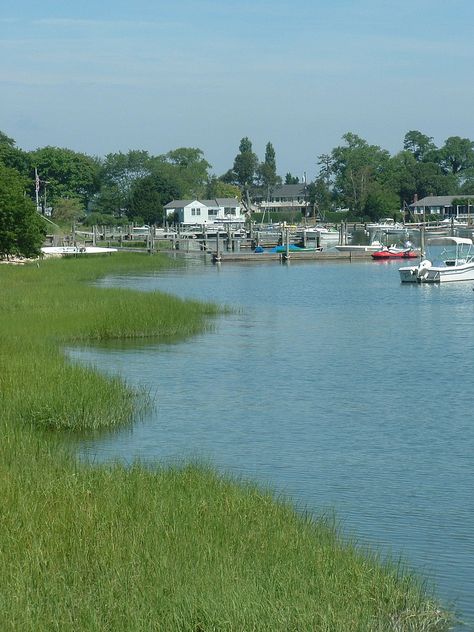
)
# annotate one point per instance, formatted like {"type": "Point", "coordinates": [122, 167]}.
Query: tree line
{"type": "Point", "coordinates": [135, 186]}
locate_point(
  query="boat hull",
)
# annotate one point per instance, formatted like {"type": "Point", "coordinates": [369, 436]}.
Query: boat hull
{"type": "Point", "coordinates": [436, 274]}
{"type": "Point", "coordinates": [392, 254]}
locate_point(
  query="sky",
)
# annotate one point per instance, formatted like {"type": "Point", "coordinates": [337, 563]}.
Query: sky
{"type": "Point", "coordinates": [112, 75]}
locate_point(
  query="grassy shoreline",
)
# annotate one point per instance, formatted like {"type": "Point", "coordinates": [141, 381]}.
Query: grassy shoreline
{"type": "Point", "coordinates": [115, 548]}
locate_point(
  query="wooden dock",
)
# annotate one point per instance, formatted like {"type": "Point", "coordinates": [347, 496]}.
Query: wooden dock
{"type": "Point", "coordinates": [321, 256]}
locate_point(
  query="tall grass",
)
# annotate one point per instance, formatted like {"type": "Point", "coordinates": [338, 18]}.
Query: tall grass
{"type": "Point", "coordinates": [137, 549]}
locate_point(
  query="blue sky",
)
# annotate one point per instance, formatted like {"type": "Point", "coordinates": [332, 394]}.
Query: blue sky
{"type": "Point", "coordinates": [101, 77]}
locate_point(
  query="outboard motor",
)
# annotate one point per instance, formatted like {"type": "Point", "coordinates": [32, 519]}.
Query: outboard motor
{"type": "Point", "coordinates": [423, 269]}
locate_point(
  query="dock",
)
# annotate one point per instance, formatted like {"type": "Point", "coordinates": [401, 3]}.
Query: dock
{"type": "Point", "coordinates": [321, 256]}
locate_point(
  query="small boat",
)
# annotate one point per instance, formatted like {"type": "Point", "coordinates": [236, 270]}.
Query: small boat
{"type": "Point", "coordinates": [393, 252]}
{"type": "Point", "coordinates": [447, 259]}
{"type": "Point", "coordinates": [387, 225]}
{"type": "Point", "coordinates": [374, 246]}
{"type": "Point", "coordinates": [61, 251]}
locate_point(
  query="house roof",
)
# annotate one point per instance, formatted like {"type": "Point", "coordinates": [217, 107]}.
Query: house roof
{"type": "Point", "coordinates": [179, 203]}
{"type": "Point", "coordinates": [209, 203]}
{"type": "Point", "coordinates": [439, 200]}
{"type": "Point", "coordinates": [289, 190]}
{"type": "Point", "coordinates": [228, 201]}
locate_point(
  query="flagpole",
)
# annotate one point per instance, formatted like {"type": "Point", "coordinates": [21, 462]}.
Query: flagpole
{"type": "Point", "coordinates": [37, 183]}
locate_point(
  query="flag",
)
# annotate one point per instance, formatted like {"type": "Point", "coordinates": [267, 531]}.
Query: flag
{"type": "Point", "coordinates": [37, 181]}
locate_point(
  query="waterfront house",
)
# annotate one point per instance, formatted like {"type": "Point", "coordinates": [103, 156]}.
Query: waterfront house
{"type": "Point", "coordinates": [443, 206]}
{"type": "Point", "coordinates": [283, 198]}
{"type": "Point", "coordinates": [218, 211]}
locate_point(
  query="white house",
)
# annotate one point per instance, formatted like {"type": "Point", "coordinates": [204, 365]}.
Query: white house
{"type": "Point", "coordinates": [218, 211]}
{"type": "Point", "coordinates": [443, 205]}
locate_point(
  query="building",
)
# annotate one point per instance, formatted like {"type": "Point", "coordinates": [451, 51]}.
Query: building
{"type": "Point", "coordinates": [285, 197]}
{"type": "Point", "coordinates": [218, 211]}
{"type": "Point", "coordinates": [443, 205]}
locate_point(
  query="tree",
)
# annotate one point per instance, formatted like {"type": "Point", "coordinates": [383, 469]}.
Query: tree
{"type": "Point", "coordinates": [267, 170]}
{"type": "Point", "coordinates": [418, 144]}
{"type": "Point", "coordinates": [68, 210]}
{"type": "Point", "coordinates": [456, 155]}
{"type": "Point", "coordinates": [22, 229]}
{"type": "Point", "coordinates": [13, 157]}
{"type": "Point", "coordinates": [356, 166]}
{"type": "Point", "coordinates": [151, 193]}
{"type": "Point", "coordinates": [319, 196]}
{"type": "Point", "coordinates": [218, 188]}
{"type": "Point", "coordinates": [290, 179]}
{"type": "Point", "coordinates": [191, 168]}
{"type": "Point", "coordinates": [66, 173]}
{"type": "Point", "coordinates": [118, 173]}
{"type": "Point", "coordinates": [245, 165]}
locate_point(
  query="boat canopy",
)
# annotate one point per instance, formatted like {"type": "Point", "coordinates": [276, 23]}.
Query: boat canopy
{"type": "Point", "coordinates": [449, 241]}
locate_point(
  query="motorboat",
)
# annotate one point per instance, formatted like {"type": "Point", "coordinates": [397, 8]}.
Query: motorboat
{"type": "Point", "coordinates": [387, 225]}
{"type": "Point", "coordinates": [447, 259]}
{"type": "Point", "coordinates": [395, 252]}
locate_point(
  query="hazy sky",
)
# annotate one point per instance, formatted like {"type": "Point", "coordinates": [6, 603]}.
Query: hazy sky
{"type": "Point", "coordinates": [101, 76]}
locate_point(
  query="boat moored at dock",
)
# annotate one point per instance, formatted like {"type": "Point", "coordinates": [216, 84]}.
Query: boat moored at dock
{"type": "Point", "coordinates": [447, 259]}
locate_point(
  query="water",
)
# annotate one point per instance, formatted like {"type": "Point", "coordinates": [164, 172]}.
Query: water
{"type": "Point", "coordinates": [333, 384]}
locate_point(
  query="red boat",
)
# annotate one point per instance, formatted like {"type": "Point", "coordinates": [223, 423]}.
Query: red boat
{"type": "Point", "coordinates": [395, 253]}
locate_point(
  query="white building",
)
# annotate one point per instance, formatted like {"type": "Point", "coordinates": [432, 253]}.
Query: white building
{"type": "Point", "coordinates": [218, 211]}
{"type": "Point", "coordinates": [444, 205]}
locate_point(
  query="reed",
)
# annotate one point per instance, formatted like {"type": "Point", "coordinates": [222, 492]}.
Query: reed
{"type": "Point", "coordinates": [137, 548]}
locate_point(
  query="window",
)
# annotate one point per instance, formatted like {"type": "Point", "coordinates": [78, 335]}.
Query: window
{"type": "Point", "coordinates": [195, 211]}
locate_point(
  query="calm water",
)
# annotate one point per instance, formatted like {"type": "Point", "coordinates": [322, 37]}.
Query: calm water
{"type": "Point", "coordinates": [333, 384]}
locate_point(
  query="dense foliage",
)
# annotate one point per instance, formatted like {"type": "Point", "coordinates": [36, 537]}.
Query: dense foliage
{"type": "Point", "coordinates": [21, 228]}
{"type": "Point", "coordinates": [135, 186]}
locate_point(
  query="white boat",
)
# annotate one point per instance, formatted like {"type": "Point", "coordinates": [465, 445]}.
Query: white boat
{"type": "Point", "coordinates": [60, 251]}
{"type": "Point", "coordinates": [447, 259]}
{"type": "Point", "coordinates": [374, 246]}
{"type": "Point", "coordinates": [387, 225]}
{"type": "Point", "coordinates": [320, 233]}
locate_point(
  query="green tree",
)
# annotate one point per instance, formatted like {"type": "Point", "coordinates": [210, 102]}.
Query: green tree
{"type": "Point", "coordinates": [109, 201]}
{"type": "Point", "coordinates": [68, 210]}
{"type": "Point", "coordinates": [118, 173]}
{"type": "Point", "coordinates": [192, 170]}
{"type": "Point", "coordinates": [320, 197]}
{"type": "Point", "coordinates": [356, 166]}
{"type": "Point", "coordinates": [217, 188]}
{"type": "Point", "coordinates": [267, 170]}
{"type": "Point", "coordinates": [151, 193]}
{"type": "Point", "coordinates": [22, 229]}
{"type": "Point", "coordinates": [419, 145]}
{"type": "Point", "coordinates": [245, 166]}
{"type": "Point", "coordinates": [380, 202]}
{"type": "Point", "coordinates": [15, 158]}
{"type": "Point", "coordinates": [456, 155]}
{"type": "Point", "coordinates": [66, 173]}
{"type": "Point", "coordinates": [290, 179]}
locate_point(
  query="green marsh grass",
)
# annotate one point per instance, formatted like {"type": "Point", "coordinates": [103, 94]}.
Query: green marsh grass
{"type": "Point", "coordinates": [111, 548]}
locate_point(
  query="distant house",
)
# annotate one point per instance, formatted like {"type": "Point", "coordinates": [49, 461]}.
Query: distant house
{"type": "Point", "coordinates": [218, 211]}
{"type": "Point", "coordinates": [285, 197]}
{"type": "Point", "coordinates": [443, 205]}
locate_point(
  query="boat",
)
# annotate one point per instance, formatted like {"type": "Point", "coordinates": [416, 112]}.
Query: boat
{"type": "Point", "coordinates": [61, 251]}
{"type": "Point", "coordinates": [374, 246]}
{"type": "Point", "coordinates": [387, 225]}
{"type": "Point", "coordinates": [394, 252]}
{"type": "Point", "coordinates": [319, 233]}
{"type": "Point", "coordinates": [447, 259]}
